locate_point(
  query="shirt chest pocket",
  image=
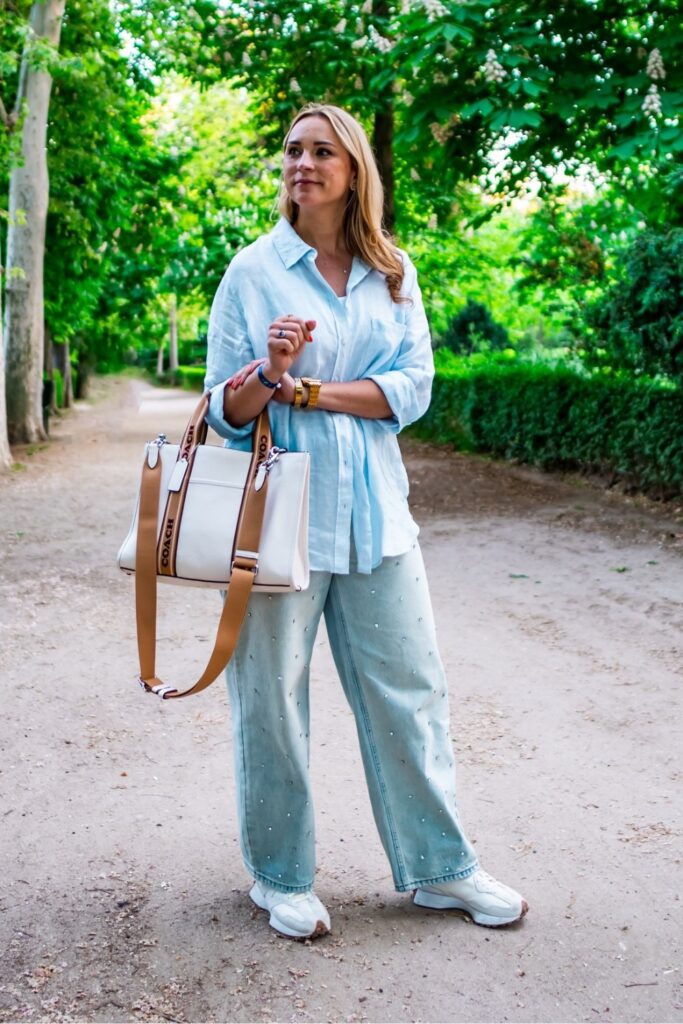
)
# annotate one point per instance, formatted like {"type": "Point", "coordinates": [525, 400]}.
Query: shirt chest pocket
{"type": "Point", "coordinates": [385, 339]}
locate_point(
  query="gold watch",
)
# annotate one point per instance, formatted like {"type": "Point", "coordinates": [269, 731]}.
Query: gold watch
{"type": "Point", "coordinates": [313, 386]}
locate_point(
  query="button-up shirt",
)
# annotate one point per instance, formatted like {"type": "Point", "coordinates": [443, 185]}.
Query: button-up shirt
{"type": "Point", "coordinates": [359, 486]}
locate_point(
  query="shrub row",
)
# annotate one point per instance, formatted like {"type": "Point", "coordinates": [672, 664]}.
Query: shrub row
{"type": "Point", "coordinates": [555, 418]}
{"type": "Point", "coordinates": [192, 377]}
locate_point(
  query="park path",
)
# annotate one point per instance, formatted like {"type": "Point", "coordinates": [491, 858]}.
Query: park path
{"type": "Point", "coordinates": [560, 614]}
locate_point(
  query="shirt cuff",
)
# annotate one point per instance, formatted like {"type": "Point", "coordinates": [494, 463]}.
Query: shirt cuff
{"type": "Point", "coordinates": [398, 391]}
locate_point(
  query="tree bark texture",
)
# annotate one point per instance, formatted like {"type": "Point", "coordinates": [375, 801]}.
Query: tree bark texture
{"type": "Point", "coordinates": [5, 454]}
{"type": "Point", "coordinates": [28, 199]}
{"type": "Point", "coordinates": [61, 360]}
{"type": "Point", "coordinates": [383, 139]}
{"type": "Point", "coordinates": [173, 333]}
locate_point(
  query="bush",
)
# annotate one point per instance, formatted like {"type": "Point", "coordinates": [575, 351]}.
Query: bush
{"type": "Point", "coordinates": [192, 377]}
{"type": "Point", "coordinates": [556, 418]}
{"type": "Point", "coordinates": [638, 322]}
{"type": "Point", "coordinates": [473, 329]}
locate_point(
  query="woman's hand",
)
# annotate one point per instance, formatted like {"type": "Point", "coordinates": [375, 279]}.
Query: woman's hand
{"type": "Point", "coordinates": [238, 378]}
{"type": "Point", "coordinates": [287, 336]}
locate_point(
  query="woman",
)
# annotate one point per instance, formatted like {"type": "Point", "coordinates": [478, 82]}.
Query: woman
{"type": "Point", "coordinates": [342, 373]}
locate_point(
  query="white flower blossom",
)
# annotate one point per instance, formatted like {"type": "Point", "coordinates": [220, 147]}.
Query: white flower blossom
{"type": "Point", "coordinates": [414, 174]}
{"type": "Point", "coordinates": [434, 9]}
{"type": "Point", "coordinates": [441, 132]}
{"type": "Point", "coordinates": [359, 44]}
{"type": "Point", "coordinates": [493, 69]}
{"type": "Point", "coordinates": [380, 43]}
{"type": "Point", "coordinates": [294, 85]}
{"type": "Point", "coordinates": [358, 83]}
{"type": "Point", "coordinates": [440, 78]}
{"type": "Point", "coordinates": [340, 27]}
{"type": "Point", "coordinates": [652, 104]}
{"type": "Point", "coordinates": [655, 65]}
{"type": "Point", "coordinates": [433, 222]}
{"type": "Point", "coordinates": [277, 21]}
{"type": "Point", "coordinates": [367, 7]}
{"type": "Point", "coordinates": [408, 99]}
{"type": "Point", "coordinates": [246, 59]}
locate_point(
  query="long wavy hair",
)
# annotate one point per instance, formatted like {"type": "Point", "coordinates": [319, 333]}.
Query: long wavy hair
{"type": "Point", "coordinates": [363, 230]}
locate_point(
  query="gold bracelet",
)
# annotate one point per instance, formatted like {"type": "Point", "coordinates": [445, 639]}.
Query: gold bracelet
{"type": "Point", "coordinates": [313, 386]}
{"type": "Point", "coordinates": [298, 392]}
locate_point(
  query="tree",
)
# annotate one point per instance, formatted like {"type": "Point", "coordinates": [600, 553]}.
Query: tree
{"type": "Point", "coordinates": [5, 453]}
{"type": "Point", "coordinates": [28, 201]}
{"type": "Point", "coordinates": [638, 322]}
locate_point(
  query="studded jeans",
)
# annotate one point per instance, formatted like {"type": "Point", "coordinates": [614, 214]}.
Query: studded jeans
{"type": "Point", "coordinates": [381, 632]}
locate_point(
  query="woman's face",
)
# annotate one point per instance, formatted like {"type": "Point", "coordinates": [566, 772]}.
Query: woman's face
{"type": "Point", "coordinates": [317, 169]}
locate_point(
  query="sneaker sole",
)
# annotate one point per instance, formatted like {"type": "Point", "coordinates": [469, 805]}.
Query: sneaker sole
{"type": "Point", "coordinates": [282, 929]}
{"type": "Point", "coordinates": [434, 901]}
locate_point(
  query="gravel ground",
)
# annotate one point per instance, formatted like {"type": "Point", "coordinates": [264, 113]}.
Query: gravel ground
{"type": "Point", "coordinates": [560, 614]}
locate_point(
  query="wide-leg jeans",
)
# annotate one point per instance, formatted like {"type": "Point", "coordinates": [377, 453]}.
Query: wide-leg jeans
{"type": "Point", "coordinates": [382, 635]}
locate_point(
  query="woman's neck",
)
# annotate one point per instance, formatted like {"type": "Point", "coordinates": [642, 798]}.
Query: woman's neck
{"type": "Point", "coordinates": [325, 234]}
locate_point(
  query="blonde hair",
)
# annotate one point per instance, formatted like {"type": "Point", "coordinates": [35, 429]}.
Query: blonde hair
{"type": "Point", "coordinates": [363, 230]}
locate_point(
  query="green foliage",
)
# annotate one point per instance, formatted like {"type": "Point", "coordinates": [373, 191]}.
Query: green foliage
{"type": "Point", "coordinates": [59, 388]}
{"type": "Point", "coordinates": [192, 377]}
{"type": "Point", "coordinates": [473, 329]}
{"type": "Point", "coordinates": [638, 322]}
{"type": "Point", "coordinates": [554, 84]}
{"type": "Point", "coordinates": [559, 419]}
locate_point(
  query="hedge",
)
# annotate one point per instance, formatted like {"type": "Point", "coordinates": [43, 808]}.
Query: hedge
{"type": "Point", "coordinates": [555, 418]}
{"type": "Point", "coordinates": [192, 377]}
{"type": "Point", "coordinates": [552, 417]}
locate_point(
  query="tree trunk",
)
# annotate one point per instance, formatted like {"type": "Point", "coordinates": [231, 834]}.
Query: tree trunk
{"type": "Point", "coordinates": [383, 138]}
{"type": "Point", "coordinates": [173, 334]}
{"type": "Point", "coordinates": [5, 454]}
{"type": "Point", "coordinates": [48, 367]}
{"type": "Point", "coordinates": [160, 360]}
{"type": "Point", "coordinates": [28, 199]}
{"type": "Point", "coordinates": [62, 362]}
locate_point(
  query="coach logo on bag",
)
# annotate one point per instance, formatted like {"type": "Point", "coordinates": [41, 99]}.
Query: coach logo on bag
{"type": "Point", "coordinates": [187, 447]}
{"type": "Point", "coordinates": [166, 546]}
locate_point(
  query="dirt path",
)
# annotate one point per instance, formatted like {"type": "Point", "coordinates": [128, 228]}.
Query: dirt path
{"type": "Point", "coordinates": [560, 611]}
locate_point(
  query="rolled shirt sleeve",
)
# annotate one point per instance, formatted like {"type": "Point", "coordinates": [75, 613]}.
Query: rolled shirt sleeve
{"type": "Point", "coordinates": [229, 348]}
{"type": "Point", "coordinates": [407, 381]}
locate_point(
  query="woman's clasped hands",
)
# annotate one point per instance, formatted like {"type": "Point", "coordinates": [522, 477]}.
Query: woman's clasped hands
{"type": "Point", "coordinates": [287, 337]}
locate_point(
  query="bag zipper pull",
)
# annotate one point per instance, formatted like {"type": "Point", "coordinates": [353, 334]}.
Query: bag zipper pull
{"type": "Point", "coordinates": [266, 466]}
{"type": "Point", "coordinates": [154, 448]}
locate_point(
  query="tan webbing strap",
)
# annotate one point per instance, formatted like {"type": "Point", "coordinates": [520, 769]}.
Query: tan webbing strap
{"type": "Point", "coordinates": [195, 434]}
{"type": "Point", "coordinates": [244, 567]}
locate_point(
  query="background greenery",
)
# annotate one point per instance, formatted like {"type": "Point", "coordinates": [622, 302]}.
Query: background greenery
{"type": "Point", "coordinates": [532, 155]}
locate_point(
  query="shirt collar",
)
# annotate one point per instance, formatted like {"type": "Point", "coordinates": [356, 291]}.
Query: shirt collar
{"type": "Point", "coordinates": [290, 246]}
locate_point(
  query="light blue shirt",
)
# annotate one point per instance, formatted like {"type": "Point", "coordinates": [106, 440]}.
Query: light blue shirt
{"type": "Point", "coordinates": [359, 486]}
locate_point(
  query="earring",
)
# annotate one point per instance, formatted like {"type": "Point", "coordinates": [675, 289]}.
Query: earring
{"type": "Point", "coordinates": [352, 186]}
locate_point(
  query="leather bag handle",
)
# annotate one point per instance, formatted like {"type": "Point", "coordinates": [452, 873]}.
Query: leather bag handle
{"type": "Point", "coordinates": [244, 557]}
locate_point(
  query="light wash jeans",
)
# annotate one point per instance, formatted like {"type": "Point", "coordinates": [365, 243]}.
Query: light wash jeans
{"type": "Point", "coordinates": [381, 631]}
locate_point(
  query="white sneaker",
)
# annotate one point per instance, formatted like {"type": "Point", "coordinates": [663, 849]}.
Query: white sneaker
{"type": "Point", "coordinates": [299, 915]}
{"type": "Point", "coordinates": [487, 901]}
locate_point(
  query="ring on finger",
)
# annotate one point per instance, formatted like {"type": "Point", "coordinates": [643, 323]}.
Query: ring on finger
{"type": "Point", "coordinates": [281, 333]}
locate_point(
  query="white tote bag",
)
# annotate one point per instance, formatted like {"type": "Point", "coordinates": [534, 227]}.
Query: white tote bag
{"type": "Point", "coordinates": [211, 516]}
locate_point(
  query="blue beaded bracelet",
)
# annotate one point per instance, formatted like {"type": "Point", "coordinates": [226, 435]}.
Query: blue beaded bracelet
{"type": "Point", "coordinates": [264, 380]}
